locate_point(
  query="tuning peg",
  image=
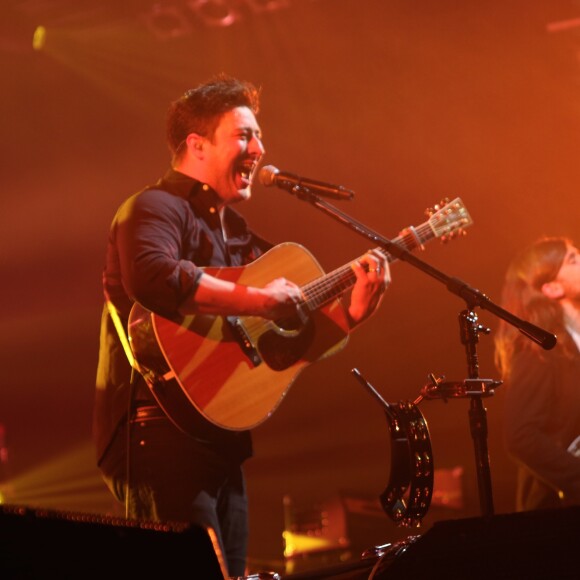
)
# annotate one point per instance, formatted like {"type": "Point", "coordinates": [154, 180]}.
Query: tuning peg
{"type": "Point", "coordinates": [452, 235]}
{"type": "Point", "coordinates": [430, 211]}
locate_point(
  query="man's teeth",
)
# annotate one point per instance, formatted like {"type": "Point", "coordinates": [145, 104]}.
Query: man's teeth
{"type": "Point", "coordinates": [245, 173]}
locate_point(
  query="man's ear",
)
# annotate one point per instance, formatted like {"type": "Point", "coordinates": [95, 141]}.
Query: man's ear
{"type": "Point", "coordinates": [553, 290]}
{"type": "Point", "coordinates": [195, 144]}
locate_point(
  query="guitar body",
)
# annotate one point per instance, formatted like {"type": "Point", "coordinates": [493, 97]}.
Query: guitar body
{"type": "Point", "coordinates": [235, 387]}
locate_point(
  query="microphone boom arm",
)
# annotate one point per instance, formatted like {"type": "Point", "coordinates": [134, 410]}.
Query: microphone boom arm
{"type": "Point", "coordinates": [470, 295]}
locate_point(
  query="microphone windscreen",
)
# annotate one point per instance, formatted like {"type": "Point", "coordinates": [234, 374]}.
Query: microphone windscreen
{"type": "Point", "coordinates": [267, 175]}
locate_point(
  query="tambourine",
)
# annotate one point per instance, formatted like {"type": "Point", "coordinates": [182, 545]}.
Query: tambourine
{"type": "Point", "coordinates": [407, 497]}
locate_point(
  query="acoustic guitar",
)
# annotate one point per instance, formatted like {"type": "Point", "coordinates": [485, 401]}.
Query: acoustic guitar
{"type": "Point", "coordinates": [236, 370]}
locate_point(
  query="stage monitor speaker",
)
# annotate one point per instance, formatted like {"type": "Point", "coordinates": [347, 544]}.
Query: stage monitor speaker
{"type": "Point", "coordinates": [37, 543]}
{"type": "Point", "coordinates": [534, 545]}
{"type": "Point", "coordinates": [541, 544]}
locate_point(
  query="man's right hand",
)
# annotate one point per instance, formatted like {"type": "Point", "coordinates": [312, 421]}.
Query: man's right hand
{"type": "Point", "coordinates": [281, 298]}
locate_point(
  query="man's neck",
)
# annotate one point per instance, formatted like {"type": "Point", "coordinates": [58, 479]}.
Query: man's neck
{"type": "Point", "coordinates": [571, 314]}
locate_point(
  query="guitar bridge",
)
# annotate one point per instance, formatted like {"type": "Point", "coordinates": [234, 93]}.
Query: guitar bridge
{"type": "Point", "coordinates": [242, 338]}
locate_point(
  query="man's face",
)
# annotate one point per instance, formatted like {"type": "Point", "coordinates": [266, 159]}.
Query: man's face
{"type": "Point", "coordinates": [232, 155]}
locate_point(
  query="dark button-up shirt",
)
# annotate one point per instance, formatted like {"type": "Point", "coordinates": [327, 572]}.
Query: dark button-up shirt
{"type": "Point", "coordinates": [159, 240]}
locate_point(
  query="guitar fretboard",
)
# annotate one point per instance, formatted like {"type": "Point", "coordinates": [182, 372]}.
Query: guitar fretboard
{"type": "Point", "coordinates": [322, 290]}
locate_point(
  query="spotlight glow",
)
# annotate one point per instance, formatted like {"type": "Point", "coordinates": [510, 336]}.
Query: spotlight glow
{"type": "Point", "coordinates": [39, 38]}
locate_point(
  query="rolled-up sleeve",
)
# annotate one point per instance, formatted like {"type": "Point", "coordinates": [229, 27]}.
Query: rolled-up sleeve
{"type": "Point", "coordinates": [148, 234]}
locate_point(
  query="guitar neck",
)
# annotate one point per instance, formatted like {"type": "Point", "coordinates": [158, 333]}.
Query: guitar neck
{"type": "Point", "coordinates": [322, 290]}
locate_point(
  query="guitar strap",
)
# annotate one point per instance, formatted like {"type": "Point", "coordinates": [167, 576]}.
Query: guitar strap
{"type": "Point", "coordinates": [114, 314]}
{"type": "Point", "coordinates": [147, 375]}
{"type": "Point", "coordinates": [160, 387]}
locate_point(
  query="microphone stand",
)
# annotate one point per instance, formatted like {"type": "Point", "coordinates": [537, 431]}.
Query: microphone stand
{"type": "Point", "coordinates": [474, 387]}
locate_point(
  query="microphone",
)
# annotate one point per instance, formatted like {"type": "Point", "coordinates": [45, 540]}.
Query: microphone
{"type": "Point", "coordinates": [270, 175]}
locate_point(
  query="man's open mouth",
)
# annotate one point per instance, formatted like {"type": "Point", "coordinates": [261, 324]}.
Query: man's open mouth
{"type": "Point", "coordinates": [245, 171]}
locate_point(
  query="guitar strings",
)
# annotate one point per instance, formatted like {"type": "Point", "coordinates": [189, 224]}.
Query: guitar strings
{"type": "Point", "coordinates": [323, 289]}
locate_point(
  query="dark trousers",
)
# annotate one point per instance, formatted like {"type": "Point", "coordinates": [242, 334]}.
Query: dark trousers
{"type": "Point", "coordinates": [174, 477]}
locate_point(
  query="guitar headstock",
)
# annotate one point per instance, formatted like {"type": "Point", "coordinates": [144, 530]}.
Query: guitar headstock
{"type": "Point", "coordinates": [449, 219]}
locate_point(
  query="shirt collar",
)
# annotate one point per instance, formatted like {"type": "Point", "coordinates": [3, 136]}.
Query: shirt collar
{"type": "Point", "coordinates": [202, 197]}
{"type": "Point", "coordinates": [201, 194]}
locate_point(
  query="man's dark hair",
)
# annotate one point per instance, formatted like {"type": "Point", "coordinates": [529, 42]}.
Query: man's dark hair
{"type": "Point", "coordinates": [199, 110]}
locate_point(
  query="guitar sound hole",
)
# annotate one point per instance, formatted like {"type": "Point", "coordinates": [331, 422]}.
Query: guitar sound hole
{"type": "Point", "coordinates": [280, 351]}
{"type": "Point", "coordinates": [289, 324]}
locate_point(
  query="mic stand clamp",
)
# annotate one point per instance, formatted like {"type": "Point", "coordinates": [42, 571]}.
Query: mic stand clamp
{"type": "Point", "coordinates": [454, 390]}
